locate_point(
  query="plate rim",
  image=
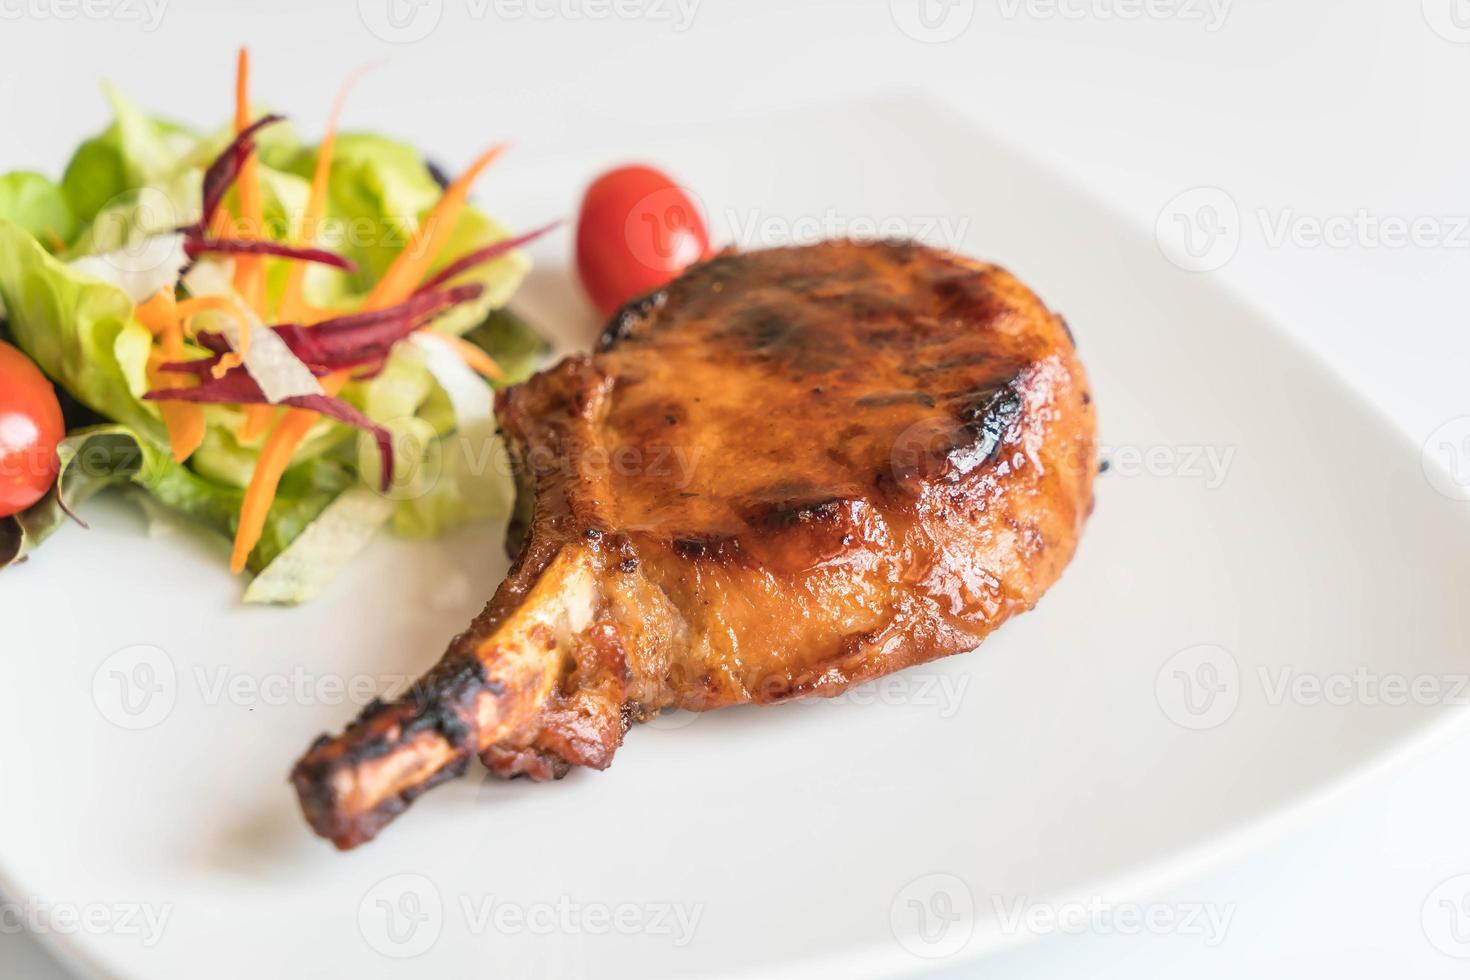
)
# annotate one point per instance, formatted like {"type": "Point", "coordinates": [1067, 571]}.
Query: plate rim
{"type": "Point", "coordinates": [79, 955]}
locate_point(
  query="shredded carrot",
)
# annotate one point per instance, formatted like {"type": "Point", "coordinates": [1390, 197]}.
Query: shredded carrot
{"type": "Point", "coordinates": [398, 283]}
{"type": "Point", "coordinates": [183, 420]}
{"type": "Point", "coordinates": [221, 225]}
{"type": "Point", "coordinates": [258, 419]}
{"type": "Point", "coordinates": [293, 305]}
{"type": "Point", "coordinates": [249, 272]}
{"type": "Point", "coordinates": [159, 312]}
{"type": "Point", "coordinates": [185, 424]}
{"type": "Point", "coordinates": [223, 304]}
{"type": "Point", "coordinates": [316, 314]}
{"type": "Point", "coordinates": [190, 308]}
{"type": "Point", "coordinates": [275, 456]}
{"type": "Point", "coordinates": [274, 459]}
{"type": "Point", "coordinates": [411, 264]}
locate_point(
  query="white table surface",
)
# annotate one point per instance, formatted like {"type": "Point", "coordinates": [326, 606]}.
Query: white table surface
{"type": "Point", "coordinates": [1304, 111]}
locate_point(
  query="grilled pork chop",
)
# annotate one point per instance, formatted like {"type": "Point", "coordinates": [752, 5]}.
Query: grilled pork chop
{"type": "Point", "coordinates": [786, 473]}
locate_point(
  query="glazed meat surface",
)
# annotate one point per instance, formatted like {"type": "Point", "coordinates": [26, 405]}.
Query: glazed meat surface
{"type": "Point", "coordinates": [788, 472]}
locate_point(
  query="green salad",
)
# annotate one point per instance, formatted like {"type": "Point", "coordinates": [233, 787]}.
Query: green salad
{"type": "Point", "coordinates": [293, 344]}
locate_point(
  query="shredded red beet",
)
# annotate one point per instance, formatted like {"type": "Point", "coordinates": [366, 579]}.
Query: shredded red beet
{"type": "Point", "coordinates": [357, 340]}
{"type": "Point", "coordinates": [194, 246]}
{"type": "Point", "coordinates": [211, 341]}
{"type": "Point", "coordinates": [237, 387]}
{"type": "Point", "coordinates": [223, 170]}
{"type": "Point", "coordinates": [346, 341]}
{"type": "Point", "coordinates": [218, 178]}
{"type": "Point", "coordinates": [361, 327]}
{"type": "Point", "coordinates": [480, 256]}
{"type": "Point", "coordinates": [200, 366]}
{"type": "Point", "coordinates": [342, 343]}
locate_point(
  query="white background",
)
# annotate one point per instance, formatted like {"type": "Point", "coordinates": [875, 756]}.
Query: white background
{"type": "Point", "coordinates": [1300, 111]}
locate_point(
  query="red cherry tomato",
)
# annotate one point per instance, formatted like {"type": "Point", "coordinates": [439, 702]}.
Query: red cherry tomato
{"type": "Point", "coordinates": [637, 230]}
{"type": "Point", "coordinates": [30, 428]}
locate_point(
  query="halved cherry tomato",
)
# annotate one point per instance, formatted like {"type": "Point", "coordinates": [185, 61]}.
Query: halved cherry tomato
{"type": "Point", "coordinates": [637, 230]}
{"type": "Point", "coordinates": [30, 427]}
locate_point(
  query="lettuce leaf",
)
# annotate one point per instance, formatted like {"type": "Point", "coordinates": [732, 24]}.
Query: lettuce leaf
{"type": "Point", "coordinates": [135, 151]}
{"type": "Point", "coordinates": [100, 456]}
{"type": "Point", "coordinates": [379, 193]}
{"type": "Point", "coordinates": [79, 330]}
{"type": "Point", "coordinates": [465, 476]}
{"type": "Point", "coordinates": [314, 558]}
{"type": "Point", "coordinates": [37, 205]}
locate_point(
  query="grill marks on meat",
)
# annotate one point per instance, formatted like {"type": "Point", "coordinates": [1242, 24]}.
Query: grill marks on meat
{"type": "Point", "coordinates": [789, 472]}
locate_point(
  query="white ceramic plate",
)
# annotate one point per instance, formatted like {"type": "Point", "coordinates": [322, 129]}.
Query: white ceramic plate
{"type": "Point", "coordinates": [1258, 526]}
